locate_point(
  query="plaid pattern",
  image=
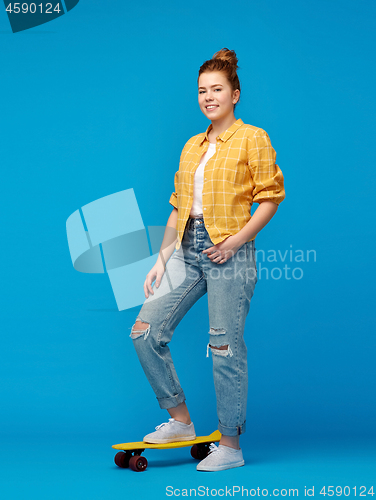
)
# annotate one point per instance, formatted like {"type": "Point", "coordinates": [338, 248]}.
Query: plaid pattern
{"type": "Point", "coordinates": [242, 171]}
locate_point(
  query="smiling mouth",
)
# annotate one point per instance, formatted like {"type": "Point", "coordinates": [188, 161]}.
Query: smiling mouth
{"type": "Point", "coordinates": [211, 107]}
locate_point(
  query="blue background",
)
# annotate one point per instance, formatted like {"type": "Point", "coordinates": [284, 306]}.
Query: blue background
{"type": "Point", "coordinates": [103, 99]}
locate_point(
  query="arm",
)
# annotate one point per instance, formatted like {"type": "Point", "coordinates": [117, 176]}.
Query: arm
{"type": "Point", "coordinates": [169, 239]}
{"type": "Point", "coordinates": [165, 252]}
{"type": "Point", "coordinates": [263, 214]}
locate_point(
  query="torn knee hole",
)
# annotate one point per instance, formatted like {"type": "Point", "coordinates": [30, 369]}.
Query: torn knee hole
{"type": "Point", "coordinates": [140, 329]}
{"type": "Point", "coordinates": [222, 347]}
{"type": "Point", "coordinates": [217, 331]}
{"type": "Point", "coordinates": [222, 350]}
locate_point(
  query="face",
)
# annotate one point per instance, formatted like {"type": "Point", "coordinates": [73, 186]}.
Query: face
{"type": "Point", "coordinates": [215, 97]}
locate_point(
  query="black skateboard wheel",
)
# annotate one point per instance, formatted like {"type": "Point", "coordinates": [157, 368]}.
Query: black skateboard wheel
{"type": "Point", "coordinates": [200, 451]}
{"type": "Point", "coordinates": [137, 463]}
{"type": "Point", "coordinates": [122, 459]}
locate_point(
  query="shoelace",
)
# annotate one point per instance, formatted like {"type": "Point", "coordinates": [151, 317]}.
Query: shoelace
{"type": "Point", "coordinates": [212, 448]}
{"type": "Point", "coordinates": [164, 423]}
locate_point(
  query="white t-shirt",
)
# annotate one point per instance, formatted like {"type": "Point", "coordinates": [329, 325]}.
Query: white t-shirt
{"type": "Point", "coordinates": [199, 181]}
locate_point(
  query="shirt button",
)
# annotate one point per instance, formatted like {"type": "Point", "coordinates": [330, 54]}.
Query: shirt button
{"type": "Point", "coordinates": [205, 178]}
{"type": "Point", "coordinates": [204, 208]}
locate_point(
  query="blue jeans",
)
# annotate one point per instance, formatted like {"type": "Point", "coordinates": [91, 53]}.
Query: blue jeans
{"type": "Point", "coordinates": [188, 276]}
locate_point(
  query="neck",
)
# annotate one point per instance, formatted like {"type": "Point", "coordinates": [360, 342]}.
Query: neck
{"type": "Point", "coordinates": [219, 126]}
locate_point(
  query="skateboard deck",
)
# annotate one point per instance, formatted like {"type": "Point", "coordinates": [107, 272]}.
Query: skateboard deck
{"type": "Point", "coordinates": [130, 456]}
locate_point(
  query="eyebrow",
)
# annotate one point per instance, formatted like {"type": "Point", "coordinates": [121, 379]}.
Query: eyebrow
{"type": "Point", "coordinates": [215, 85]}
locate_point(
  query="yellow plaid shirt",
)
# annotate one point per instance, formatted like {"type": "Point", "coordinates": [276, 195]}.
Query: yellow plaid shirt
{"type": "Point", "coordinates": [241, 171]}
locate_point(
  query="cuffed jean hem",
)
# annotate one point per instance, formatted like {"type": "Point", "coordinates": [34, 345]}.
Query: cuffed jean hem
{"type": "Point", "coordinates": [231, 431]}
{"type": "Point", "coordinates": [171, 402]}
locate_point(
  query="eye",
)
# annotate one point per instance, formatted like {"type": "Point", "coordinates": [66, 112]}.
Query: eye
{"type": "Point", "coordinates": [201, 91]}
{"type": "Point", "coordinates": [218, 89]}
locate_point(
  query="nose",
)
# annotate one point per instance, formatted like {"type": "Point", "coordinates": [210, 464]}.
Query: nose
{"type": "Point", "coordinates": [208, 97]}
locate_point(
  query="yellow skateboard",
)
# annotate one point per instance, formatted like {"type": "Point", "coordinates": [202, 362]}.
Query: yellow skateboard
{"type": "Point", "coordinates": [131, 454]}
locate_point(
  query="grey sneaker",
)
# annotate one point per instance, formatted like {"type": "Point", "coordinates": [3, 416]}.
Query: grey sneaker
{"type": "Point", "coordinates": [221, 457]}
{"type": "Point", "coordinates": [171, 431]}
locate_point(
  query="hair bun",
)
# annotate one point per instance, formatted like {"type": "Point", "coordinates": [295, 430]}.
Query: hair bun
{"type": "Point", "coordinates": [227, 55]}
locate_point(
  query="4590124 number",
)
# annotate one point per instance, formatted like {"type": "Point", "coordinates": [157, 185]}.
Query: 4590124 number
{"type": "Point", "coordinates": [346, 491]}
{"type": "Point", "coordinates": [32, 8]}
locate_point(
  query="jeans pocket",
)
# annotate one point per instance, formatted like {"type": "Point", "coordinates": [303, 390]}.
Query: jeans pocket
{"type": "Point", "coordinates": [254, 256]}
{"type": "Point", "coordinates": [250, 271]}
{"type": "Point", "coordinates": [251, 259]}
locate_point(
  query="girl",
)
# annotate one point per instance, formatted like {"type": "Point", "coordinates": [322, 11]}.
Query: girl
{"type": "Point", "coordinates": [221, 173]}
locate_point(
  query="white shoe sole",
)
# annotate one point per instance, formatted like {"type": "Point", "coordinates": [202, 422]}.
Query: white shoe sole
{"type": "Point", "coordinates": [168, 440]}
{"type": "Point", "coordinates": [214, 468]}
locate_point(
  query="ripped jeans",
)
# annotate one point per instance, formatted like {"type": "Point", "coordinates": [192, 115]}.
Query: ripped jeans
{"type": "Point", "coordinates": [188, 276]}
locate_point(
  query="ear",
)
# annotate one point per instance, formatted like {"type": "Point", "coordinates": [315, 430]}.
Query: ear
{"type": "Point", "coordinates": [235, 96]}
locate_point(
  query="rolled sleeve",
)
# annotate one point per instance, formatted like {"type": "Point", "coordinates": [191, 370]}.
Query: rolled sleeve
{"type": "Point", "coordinates": [174, 200]}
{"type": "Point", "coordinates": [266, 174]}
{"type": "Point", "coordinates": [174, 197]}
